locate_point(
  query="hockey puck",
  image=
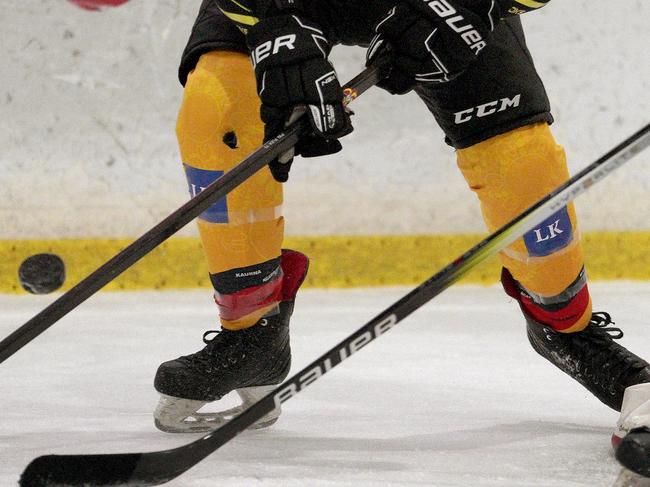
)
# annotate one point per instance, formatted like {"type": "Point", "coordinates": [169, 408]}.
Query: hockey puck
{"type": "Point", "coordinates": [41, 273]}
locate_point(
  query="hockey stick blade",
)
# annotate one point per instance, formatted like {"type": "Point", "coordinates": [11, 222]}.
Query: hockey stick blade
{"type": "Point", "coordinates": [54, 470]}
{"type": "Point", "coordinates": [136, 469]}
{"type": "Point", "coordinates": [174, 222]}
{"type": "Point", "coordinates": [157, 467]}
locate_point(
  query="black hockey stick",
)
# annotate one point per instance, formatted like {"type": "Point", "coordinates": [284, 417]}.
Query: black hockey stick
{"type": "Point", "coordinates": [154, 468]}
{"type": "Point", "coordinates": [174, 222]}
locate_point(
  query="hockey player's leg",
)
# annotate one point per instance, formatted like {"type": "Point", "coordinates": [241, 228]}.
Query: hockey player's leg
{"type": "Point", "coordinates": [544, 270]}
{"type": "Point", "coordinates": [508, 173]}
{"type": "Point", "coordinates": [497, 116]}
{"type": "Point", "coordinates": [254, 282]}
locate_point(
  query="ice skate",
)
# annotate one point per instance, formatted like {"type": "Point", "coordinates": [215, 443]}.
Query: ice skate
{"type": "Point", "coordinates": [592, 357]}
{"type": "Point", "coordinates": [627, 478]}
{"type": "Point", "coordinates": [631, 438]}
{"type": "Point", "coordinates": [252, 362]}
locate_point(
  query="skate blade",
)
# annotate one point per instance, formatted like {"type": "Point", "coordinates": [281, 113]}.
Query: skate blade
{"type": "Point", "coordinates": [178, 415]}
{"type": "Point", "coordinates": [627, 478]}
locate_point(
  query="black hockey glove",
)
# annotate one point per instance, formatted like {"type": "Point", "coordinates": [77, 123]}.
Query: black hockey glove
{"type": "Point", "coordinates": [292, 71]}
{"type": "Point", "coordinates": [431, 41]}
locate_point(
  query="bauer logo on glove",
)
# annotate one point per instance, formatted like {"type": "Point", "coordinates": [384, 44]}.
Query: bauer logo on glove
{"type": "Point", "coordinates": [269, 48]}
{"type": "Point", "coordinates": [292, 72]}
{"type": "Point", "coordinates": [431, 41]}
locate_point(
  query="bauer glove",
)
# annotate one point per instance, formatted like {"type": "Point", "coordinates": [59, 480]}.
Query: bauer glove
{"type": "Point", "coordinates": [292, 71]}
{"type": "Point", "coordinates": [431, 41]}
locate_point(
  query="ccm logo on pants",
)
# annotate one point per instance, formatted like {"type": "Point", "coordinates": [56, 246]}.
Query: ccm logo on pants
{"type": "Point", "coordinates": [486, 109]}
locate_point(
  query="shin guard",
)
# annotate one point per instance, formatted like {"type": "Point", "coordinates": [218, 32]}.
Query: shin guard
{"type": "Point", "coordinates": [218, 126]}
{"type": "Point", "coordinates": [509, 173]}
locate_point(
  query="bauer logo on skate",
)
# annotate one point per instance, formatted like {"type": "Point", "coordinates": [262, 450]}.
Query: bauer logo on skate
{"type": "Point", "coordinates": [336, 357]}
{"type": "Point", "coordinates": [553, 234]}
{"type": "Point", "coordinates": [198, 180]}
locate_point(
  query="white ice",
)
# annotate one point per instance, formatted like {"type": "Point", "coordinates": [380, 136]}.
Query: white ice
{"type": "Point", "coordinates": [453, 396]}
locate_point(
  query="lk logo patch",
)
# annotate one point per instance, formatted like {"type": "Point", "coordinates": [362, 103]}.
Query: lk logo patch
{"type": "Point", "coordinates": [198, 180]}
{"type": "Point", "coordinates": [551, 235]}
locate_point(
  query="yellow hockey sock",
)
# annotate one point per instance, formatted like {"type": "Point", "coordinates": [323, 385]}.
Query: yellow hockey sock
{"type": "Point", "coordinates": [509, 173]}
{"type": "Point", "coordinates": [218, 126]}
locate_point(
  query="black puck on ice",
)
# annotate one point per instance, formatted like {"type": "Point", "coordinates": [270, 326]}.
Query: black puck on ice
{"type": "Point", "coordinates": [42, 273]}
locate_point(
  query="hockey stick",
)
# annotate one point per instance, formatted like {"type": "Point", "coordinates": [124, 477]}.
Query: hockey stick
{"type": "Point", "coordinates": [174, 222]}
{"type": "Point", "coordinates": [154, 468]}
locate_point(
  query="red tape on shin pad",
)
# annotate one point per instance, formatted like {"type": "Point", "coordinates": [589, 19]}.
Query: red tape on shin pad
{"type": "Point", "coordinates": [560, 318]}
{"type": "Point", "coordinates": [246, 301]}
{"type": "Point", "coordinates": [294, 267]}
{"type": "Point", "coordinates": [284, 287]}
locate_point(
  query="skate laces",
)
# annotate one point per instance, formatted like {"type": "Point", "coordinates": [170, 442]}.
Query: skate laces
{"type": "Point", "coordinates": [227, 345]}
{"type": "Point", "coordinates": [221, 347]}
{"type": "Point", "coordinates": [601, 320]}
{"type": "Point", "coordinates": [206, 334]}
{"type": "Point", "coordinates": [616, 359]}
{"type": "Point", "coordinates": [220, 339]}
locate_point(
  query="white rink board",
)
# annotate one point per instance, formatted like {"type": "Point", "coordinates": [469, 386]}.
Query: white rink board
{"type": "Point", "coordinates": [452, 397]}
{"type": "Point", "coordinates": [89, 102]}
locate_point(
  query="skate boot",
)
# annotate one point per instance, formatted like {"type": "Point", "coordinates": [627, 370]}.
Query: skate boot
{"type": "Point", "coordinates": [251, 361]}
{"type": "Point", "coordinates": [590, 356]}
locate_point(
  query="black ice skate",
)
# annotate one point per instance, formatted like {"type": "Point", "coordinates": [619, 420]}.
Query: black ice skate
{"type": "Point", "coordinates": [592, 357]}
{"type": "Point", "coordinates": [251, 362]}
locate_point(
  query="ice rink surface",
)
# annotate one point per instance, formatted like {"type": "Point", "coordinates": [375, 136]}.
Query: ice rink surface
{"type": "Point", "coordinates": [453, 396]}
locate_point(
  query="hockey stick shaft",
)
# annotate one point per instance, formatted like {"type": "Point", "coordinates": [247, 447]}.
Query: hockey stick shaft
{"type": "Point", "coordinates": [154, 468]}
{"type": "Point", "coordinates": [172, 224]}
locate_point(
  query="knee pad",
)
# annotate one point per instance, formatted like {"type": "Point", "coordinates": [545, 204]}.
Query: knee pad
{"type": "Point", "coordinates": [218, 126]}
{"type": "Point", "coordinates": [509, 173]}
